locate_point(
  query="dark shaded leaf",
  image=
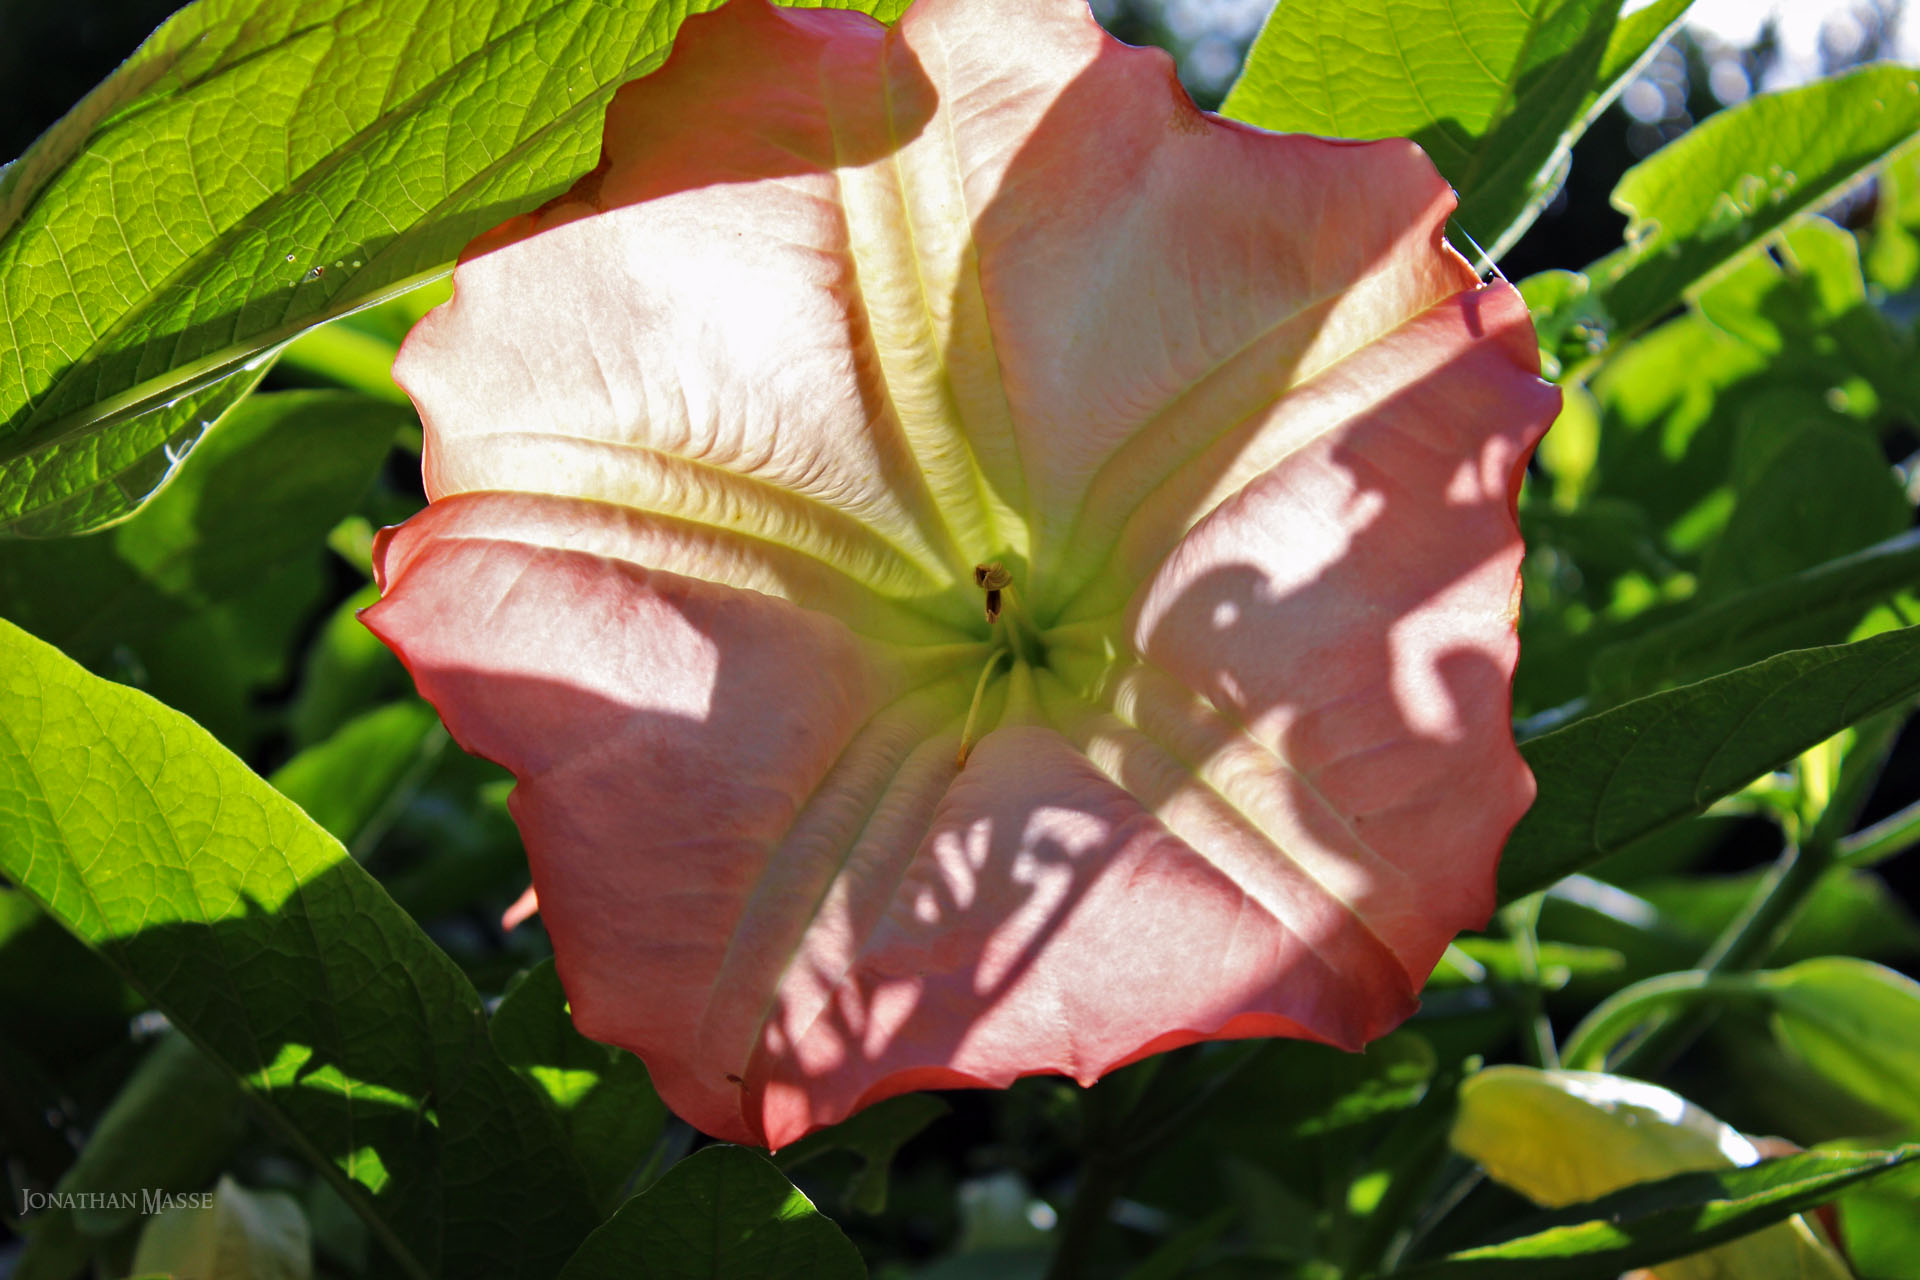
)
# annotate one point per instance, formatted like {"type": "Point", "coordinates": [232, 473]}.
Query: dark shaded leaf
{"type": "Point", "coordinates": [722, 1212]}
{"type": "Point", "coordinates": [609, 1108]}
{"type": "Point", "coordinates": [1613, 777]}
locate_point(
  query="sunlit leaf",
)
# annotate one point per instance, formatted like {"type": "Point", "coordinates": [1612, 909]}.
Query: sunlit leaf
{"type": "Point", "coordinates": [726, 444]}
{"type": "Point", "coordinates": [70, 482]}
{"type": "Point", "coordinates": [260, 938]}
{"type": "Point", "coordinates": [1730, 181]}
{"type": "Point", "coordinates": [1893, 249]}
{"type": "Point", "coordinates": [1856, 1023]}
{"type": "Point", "coordinates": [1496, 91]}
{"type": "Point", "coordinates": [250, 173]}
{"type": "Point", "coordinates": [1561, 1137]}
{"type": "Point", "coordinates": [1762, 620]}
{"type": "Point", "coordinates": [1802, 299]}
{"type": "Point", "coordinates": [1648, 1223]}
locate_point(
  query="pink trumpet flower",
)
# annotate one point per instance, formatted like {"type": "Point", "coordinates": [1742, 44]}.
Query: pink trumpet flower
{"type": "Point", "coordinates": [978, 567]}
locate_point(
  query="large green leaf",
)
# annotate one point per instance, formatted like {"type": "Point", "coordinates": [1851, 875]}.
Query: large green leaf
{"type": "Point", "coordinates": [252, 929]}
{"type": "Point", "coordinates": [1610, 778]}
{"type": "Point", "coordinates": [1725, 185]}
{"type": "Point", "coordinates": [1496, 91]}
{"type": "Point", "coordinates": [254, 171]}
{"type": "Point", "coordinates": [722, 1212]}
{"type": "Point", "coordinates": [60, 485]}
{"type": "Point", "coordinates": [1654, 1221]}
{"type": "Point", "coordinates": [611, 1113]}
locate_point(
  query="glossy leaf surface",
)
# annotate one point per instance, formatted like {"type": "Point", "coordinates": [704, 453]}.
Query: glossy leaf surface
{"type": "Point", "coordinates": [1560, 1137]}
{"type": "Point", "coordinates": [1740, 175]}
{"type": "Point", "coordinates": [717, 442]}
{"type": "Point", "coordinates": [251, 173]}
{"type": "Point", "coordinates": [1496, 91]}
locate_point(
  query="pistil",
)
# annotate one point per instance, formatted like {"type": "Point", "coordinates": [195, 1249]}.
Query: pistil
{"type": "Point", "coordinates": [973, 708]}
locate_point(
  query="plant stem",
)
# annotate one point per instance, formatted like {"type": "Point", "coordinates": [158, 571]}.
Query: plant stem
{"type": "Point", "coordinates": [1745, 943]}
{"type": "Point", "coordinates": [1889, 836]}
{"type": "Point", "coordinates": [1612, 1018]}
{"type": "Point", "coordinates": [1108, 1109]}
{"type": "Point", "coordinates": [1100, 1184]}
{"type": "Point", "coordinates": [1522, 921]}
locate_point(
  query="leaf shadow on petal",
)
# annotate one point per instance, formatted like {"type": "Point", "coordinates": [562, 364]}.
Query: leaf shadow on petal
{"type": "Point", "coordinates": [1255, 796]}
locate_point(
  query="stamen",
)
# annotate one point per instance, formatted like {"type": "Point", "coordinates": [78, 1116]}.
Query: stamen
{"type": "Point", "coordinates": [995, 579]}
{"type": "Point", "coordinates": [979, 691]}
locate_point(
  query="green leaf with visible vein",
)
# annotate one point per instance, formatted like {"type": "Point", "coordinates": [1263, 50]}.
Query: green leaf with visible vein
{"type": "Point", "coordinates": [1727, 184]}
{"type": "Point", "coordinates": [55, 487]}
{"type": "Point", "coordinates": [254, 932]}
{"type": "Point", "coordinates": [1614, 777]}
{"type": "Point", "coordinates": [1652, 1222]}
{"type": "Point", "coordinates": [1496, 91]}
{"type": "Point", "coordinates": [254, 171]}
{"type": "Point", "coordinates": [722, 1212]}
{"type": "Point", "coordinates": [602, 1092]}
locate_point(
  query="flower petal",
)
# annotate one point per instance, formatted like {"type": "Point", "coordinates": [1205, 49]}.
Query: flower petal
{"type": "Point", "coordinates": [716, 440]}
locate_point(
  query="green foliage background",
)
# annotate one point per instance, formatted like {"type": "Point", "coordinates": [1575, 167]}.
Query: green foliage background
{"type": "Point", "coordinates": [249, 893]}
